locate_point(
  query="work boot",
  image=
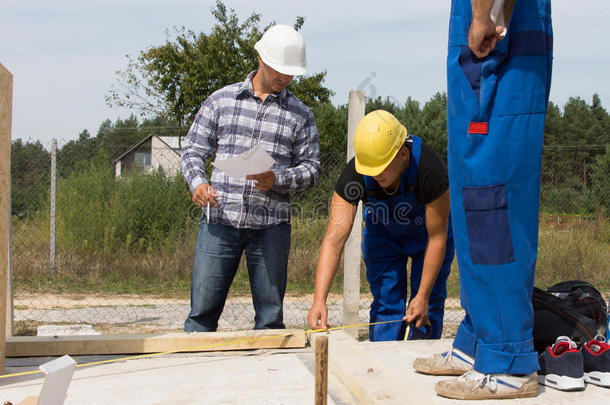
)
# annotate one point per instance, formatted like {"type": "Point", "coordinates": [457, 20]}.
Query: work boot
{"type": "Point", "coordinates": [475, 385]}
{"type": "Point", "coordinates": [453, 362]}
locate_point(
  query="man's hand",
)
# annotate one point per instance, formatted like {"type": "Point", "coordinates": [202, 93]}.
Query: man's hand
{"type": "Point", "coordinates": [264, 180]}
{"type": "Point", "coordinates": [203, 194]}
{"type": "Point", "coordinates": [483, 35]}
{"type": "Point", "coordinates": [318, 312]}
{"type": "Point", "coordinates": [417, 312]}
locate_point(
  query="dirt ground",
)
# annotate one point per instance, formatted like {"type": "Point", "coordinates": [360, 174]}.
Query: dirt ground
{"type": "Point", "coordinates": [135, 314]}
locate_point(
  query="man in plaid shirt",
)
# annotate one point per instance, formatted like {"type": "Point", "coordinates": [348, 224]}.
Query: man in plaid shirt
{"type": "Point", "coordinates": [251, 214]}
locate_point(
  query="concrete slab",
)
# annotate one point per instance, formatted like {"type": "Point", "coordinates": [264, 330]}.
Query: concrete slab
{"type": "Point", "coordinates": [257, 377]}
{"type": "Point", "coordinates": [399, 356]}
{"type": "Point", "coordinates": [265, 377]}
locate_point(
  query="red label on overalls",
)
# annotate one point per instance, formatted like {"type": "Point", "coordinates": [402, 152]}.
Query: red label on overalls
{"type": "Point", "coordinates": [478, 128]}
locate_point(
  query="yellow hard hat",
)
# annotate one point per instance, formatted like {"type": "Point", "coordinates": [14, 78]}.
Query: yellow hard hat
{"type": "Point", "coordinates": [378, 138]}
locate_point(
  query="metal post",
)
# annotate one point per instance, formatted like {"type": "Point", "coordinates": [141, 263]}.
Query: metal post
{"type": "Point", "coordinates": [53, 196]}
{"type": "Point", "coordinates": [351, 256]}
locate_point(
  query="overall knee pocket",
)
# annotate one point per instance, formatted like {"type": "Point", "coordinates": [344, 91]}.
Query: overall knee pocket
{"type": "Point", "coordinates": [489, 235]}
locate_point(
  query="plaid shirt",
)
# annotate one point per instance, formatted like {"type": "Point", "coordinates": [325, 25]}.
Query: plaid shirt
{"type": "Point", "coordinates": [232, 120]}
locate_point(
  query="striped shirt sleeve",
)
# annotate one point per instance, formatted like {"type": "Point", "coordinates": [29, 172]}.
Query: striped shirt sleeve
{"type": "Point", "coordinates": [199, 145]}
{"type": "Point", "coordinates": [306, 168]}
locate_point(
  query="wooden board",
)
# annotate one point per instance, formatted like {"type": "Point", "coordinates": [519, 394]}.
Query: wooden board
{"type": "Point", "coordinates": [6, 106]}
{"type": "Point", "coordinates": [20, 346]}
{"type": "Point", "coordinates": [368, 380]}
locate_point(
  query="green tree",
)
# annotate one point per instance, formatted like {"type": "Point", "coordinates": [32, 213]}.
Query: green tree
{"type": "Point", "coordinates": [601, 180]}
{"type": "Point", "coordinates": [118, 137]}
{"type": "Point", "coordinates": [601, 117]}
{"type": "Point", "coordinates": [411, 115]}
{"type": "Point", "coordinates": [30, 167]}
{"type": "Point", "coordinates": [83, 149]}
{"type": "Point", "coordinates": [332, 130]}
{"type": "Point", "coordinates": [173, 79]}
{"type": "Point", "coordinates": [433, 124]}
{"type": "Point", "coordinates": [577, 121]}
{"type": "Point", "coordinates": [552, 156]}
{"type": "Point", "coordinates": [388, 104]}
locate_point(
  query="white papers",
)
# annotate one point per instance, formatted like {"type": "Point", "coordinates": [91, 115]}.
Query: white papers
{"type": "Point", "coordinates": [253, 161]}
{"type": "Point", "coordinates": [58, 376]}
{"type": "Point", "coordinates": [497, 15]}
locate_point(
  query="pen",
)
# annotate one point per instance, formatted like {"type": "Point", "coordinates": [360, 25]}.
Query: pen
{"type": "Point", "coordinates": [207, 213]}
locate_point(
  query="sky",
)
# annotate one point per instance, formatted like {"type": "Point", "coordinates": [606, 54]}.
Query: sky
{"type": "Point", "coordinates": [64, 54]}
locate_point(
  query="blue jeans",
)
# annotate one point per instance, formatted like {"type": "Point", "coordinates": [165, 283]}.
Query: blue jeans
{"type": "Point", "coordinates": [217, 255]}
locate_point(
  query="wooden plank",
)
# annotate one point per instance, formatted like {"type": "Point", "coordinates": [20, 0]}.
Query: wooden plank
{"type": "Point", "coordinates": [20, 346]}
{"type": "Point", "coordinates": [321, 371]}
{"type": "Point", "coordinates": [368, 380]}
{"type": "Point", "coordinates": [6, 107]}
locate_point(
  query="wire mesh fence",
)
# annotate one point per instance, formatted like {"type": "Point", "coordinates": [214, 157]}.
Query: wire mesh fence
{"type": "Point", "coordinates": [125, 237]}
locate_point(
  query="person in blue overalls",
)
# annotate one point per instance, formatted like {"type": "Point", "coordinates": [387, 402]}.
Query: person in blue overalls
{"type": "Point", "coordinates": [404, 187]}
{"type": "Point", "coordinates": [497, 98]}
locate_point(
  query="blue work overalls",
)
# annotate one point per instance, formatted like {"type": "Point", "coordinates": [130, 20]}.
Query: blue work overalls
{"type": "Point", "coordinates": [495, 113]}
{"type": "Point", "coordinates": [394, 230]}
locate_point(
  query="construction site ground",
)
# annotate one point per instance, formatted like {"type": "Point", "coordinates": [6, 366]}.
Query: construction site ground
{"type": "Point", "coordinates": [360, 373]}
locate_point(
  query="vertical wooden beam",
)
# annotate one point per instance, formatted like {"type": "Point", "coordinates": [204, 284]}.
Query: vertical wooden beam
{"type": "Point", "coordinates": [321, 370]}
{"type": "Point", "coordinates": [6, 107]}
{"type": "Point", "coordinates": [10, 313]}
{"type": "Point", "coordinates": [351, 255]}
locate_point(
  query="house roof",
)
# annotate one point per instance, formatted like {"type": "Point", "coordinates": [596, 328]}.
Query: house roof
{"type": "Point", "coordinates": [171, 142]}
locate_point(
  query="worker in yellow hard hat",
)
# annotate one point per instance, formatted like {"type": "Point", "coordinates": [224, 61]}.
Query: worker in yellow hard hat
{"type": "Point", "coordinates": [404, 187]}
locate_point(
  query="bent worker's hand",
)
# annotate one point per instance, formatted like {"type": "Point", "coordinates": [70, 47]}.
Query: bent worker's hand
{"type": "Point", "coordinates": [318, 316]}
{"type": "Point", "coordinates": [264, 181]}
{"type": "Point", "coordinates": [203, 194]}
{"type": "Point", "coordinates": [417, 312]}
{"type": "Point", "coordinates": [483, 36]}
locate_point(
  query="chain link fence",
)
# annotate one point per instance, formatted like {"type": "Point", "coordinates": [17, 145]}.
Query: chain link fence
{"type": "Point", "coordinates": [125, 235]}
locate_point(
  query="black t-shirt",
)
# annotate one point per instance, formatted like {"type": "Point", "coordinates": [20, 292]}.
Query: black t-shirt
{"type": "Point", "coordinates": [432, 180]}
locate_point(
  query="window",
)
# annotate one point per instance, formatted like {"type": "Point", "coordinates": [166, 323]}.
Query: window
{"type": "Point", "coordinates": [142, 159]}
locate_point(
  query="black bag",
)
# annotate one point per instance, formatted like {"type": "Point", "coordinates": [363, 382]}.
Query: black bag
{"type": "Point", "coordinates": [571, 308]}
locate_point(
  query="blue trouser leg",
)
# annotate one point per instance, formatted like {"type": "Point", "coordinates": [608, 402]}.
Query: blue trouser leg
{"type": "Point", "coordinates": [494, 177]}
{"type": "Point", "coordinates": [388, 282]}
{"type": "Point", "coordinates": [217, 254]}
{"type": "Point", "coordinates": [436, 303]}
{"type": "Point", "coordinates": [267, 259]}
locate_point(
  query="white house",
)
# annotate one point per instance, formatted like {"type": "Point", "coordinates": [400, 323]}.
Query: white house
{"type": "Point", "coordinates": [152, 153]}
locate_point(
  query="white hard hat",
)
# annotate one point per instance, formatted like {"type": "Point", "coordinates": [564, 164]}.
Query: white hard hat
{"type": "Point", "coordinates": [283, 48]}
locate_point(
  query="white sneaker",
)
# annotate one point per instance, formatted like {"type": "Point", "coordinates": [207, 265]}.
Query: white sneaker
{"type": "Point", "coordinates": [453, 362]}
{"type": "Point", "coordinates": [475, 385]}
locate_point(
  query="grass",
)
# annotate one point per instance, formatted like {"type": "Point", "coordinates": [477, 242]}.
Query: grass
{"type": "Point", "coordinates": [25, 328]}
{"type": "Point", "coordinates": [570, 247]}
{"type": "Point", "coordinates": [574, 248]}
